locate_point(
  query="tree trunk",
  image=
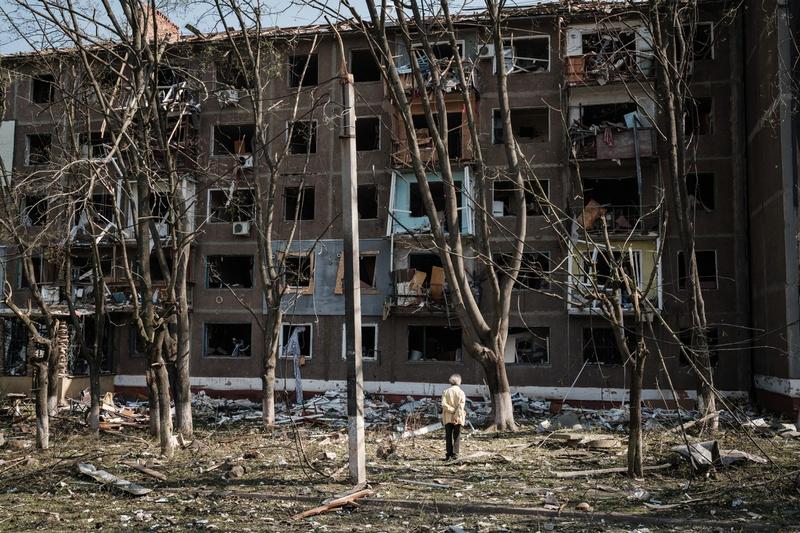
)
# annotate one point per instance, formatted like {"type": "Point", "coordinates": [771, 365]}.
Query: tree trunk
{"type": "Point", "coordinates": [165, 418]}
{"type": "Point", "coordinates": [40, 380]}
{"type": "Point", "coordinates": [183, 385]}
{"type": "Point", "coordinates": [270, 357]}
{"type": "Point", "coordinates": [53, 376]}
{"type": "Point", "coordinates": [500, 392]}
{"type": "Point", "coordinates": [635, 437]}
{"type": "Point", "coordinates": [94, 393]}
{"type": "Point", "coordinates": [152, 402]}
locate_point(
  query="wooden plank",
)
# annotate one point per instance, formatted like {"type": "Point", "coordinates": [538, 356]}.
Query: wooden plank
{"type": "Point", "coordinates": [334, 504]}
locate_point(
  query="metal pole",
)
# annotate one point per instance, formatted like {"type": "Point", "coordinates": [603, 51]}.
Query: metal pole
{"type": "Point", "coordinates": [352, 287]}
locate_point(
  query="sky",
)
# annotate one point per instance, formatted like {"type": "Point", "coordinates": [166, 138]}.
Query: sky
{"type": "Point", "coordinates": [199, 14]}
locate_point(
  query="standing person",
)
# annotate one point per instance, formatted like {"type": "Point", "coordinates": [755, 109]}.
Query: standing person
{"type": "Point", "coordinates": [453, 416]}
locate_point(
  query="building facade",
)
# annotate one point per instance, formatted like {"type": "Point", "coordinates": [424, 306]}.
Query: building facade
{"type": "Point", "coordinates": [591, 139]}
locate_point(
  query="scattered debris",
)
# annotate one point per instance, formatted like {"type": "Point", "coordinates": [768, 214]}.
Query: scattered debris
{"type": "Point", "coordinates": [333, 504]}
{"type": "Point", "coordinates": [109, 479]}
{"type": "Point", "coordinates": [149, 471]}
{"type": "Point", "coordinates": [583, 506]}
{"type": "Point", "coordinates": [601, 471]}
{"type": "Point", "coordinates": [704, 455]}
{"type": "Point", "coordinates": [421, 431]}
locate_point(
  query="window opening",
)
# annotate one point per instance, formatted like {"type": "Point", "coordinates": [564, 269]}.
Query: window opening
{"type": "Point", "coordinates": [534, 270]}
{"type": "Point", "coordinates": [298, 202]}
{"type": "Point", "coordinates": [234, 140]}
{"type": "Point", "coordinates": [503, 196]}
{"type": "Point", "coordinates": [369, 342]}
{"type": "Point", "coordinates": [368, 132]}
{"type": "Point", "coordinates": [600, 346]}
{"type": "Point", "coordinates": [43, 89]}
{"type": "Point", "coordinates": [224, 271]}
{"type": "Point", "coordinates": [528, 346]}
{"type": "Point", "coordinates": [15, 347]}
{"type": "Point", "coordinates": [34, 210]}
{"type": "Point", "coordinates": [226, 206]}
{"type": "Point", "coordinates": [304, 338]}
{"type": "Point", "coordinates": [706, 269]}
{"type": "Point", "coordinates": [363, 66]}
{"type": "Point", "coordinates": [700, 187]}
{"type": "Point", "coordinates": [303, 70]}
{"type": "Point", "coordinates": [434, 343]}
{"type": "Point", "coordinates": [686, 338]}
{"type": "Point", "coordinates": [529, 125]}
{"type": "Point", "coordinates": [227, 340]}
{"type": "Point", "coordinates": [303, 137]}
{"type": "Point", "coordinates": [39, 147]}
{"type": "Point", "coordinates": [367, 202]}
{"type": "Point", "coordinates": [299, 271]}
{"type": "Point", "coordinates": [699, 117]}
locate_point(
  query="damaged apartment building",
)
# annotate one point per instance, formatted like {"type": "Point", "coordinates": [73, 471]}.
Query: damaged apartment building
{"type": "Point", "coordinates": [582, 108]}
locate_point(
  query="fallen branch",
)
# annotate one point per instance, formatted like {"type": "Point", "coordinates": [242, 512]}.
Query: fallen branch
{"type": "Point", "coordinates": [601, 471]}
{"type": "Point", "coordinates": [339, 502]}
{"type": "Point", "coordinates": [149, 471]}
{"type": "Point", "coordinates": [690, 423]}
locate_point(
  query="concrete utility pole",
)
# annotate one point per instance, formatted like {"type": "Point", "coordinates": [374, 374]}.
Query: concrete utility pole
{"type": "Point", "coordinates": [352, 283]}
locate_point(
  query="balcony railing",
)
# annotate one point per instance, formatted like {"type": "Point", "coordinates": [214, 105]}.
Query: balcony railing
{"type": "Point", "coordinates": [612, 143]}
{"type": "Point", "coordinates": [619, 219]}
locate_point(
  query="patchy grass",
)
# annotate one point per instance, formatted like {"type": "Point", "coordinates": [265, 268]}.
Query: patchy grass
{"type": "Point", "coordinates": [286, 472]}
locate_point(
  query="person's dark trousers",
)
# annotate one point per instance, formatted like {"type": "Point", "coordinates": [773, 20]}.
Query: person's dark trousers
{"type": "Point", "coordinates": [453, 438]}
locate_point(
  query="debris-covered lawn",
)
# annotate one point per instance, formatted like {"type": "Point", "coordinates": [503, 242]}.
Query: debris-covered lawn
{"type": "Point", "coordinates": [237, 476]}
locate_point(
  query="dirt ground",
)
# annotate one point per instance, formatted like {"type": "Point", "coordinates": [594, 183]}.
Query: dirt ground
{"type": "Point", "coordinates": [241, 477]}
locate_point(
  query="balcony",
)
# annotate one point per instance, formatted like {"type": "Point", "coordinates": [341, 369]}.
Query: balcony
{"type": "Point", "coordinates": [601, 55]}
{"type": "Point", "coordinates": [612, 143]}
{"type": "Point", "coordinates": [626, 220]}
{"type": "Point", "coordinates": [592, 269]}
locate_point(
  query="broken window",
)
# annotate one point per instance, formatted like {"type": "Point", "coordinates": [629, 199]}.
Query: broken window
{"type": "Point", "coordinates": [369, 342]}
{"type": "Point", "coordinates": [43, 89]}
{"type": "Point", "coordinates": [443, 51]}
{"type": "Point", "coordinates": [156, 272]}
{"type": "Point", "coordinates": [227, 206]}
{"type": "Point", "coordinates": [237, 140]}
{"type": "Point", "coordinates": [437, 188]}
{"type": "Point", "coordinates": [15, 347]}
{"type": "Point", "coordinates": [304, 339]}
{"type": "Point", "coordinates": [303, 137]}
{"type": "Point", "coordinates": [503, 198]}
{"type": "Point", "coordinates": [366, 265]}
{"type": "Point", "coordinates": [298, 203]}
{"type": "Point", "coordinates": [231, 75]}
{"type": "Point", "coordinates": [95, 145]}
{"type": "Point", "coordinates": [600, 346]}
{"type": "Point", "coordinates": [368, 134]}
{"type": "Point", "coordinates": [223, 271]}
{"type": "Point", "coordinates": [706, 269]}
{"type": "Point", "coordinates": [602, 115]}
{"type": "Point", "coordinates": [303, 70]}
{"type": "Point", "coordinates": [434, 343]}
{"type": "Point", "coordinates": [367, 202]}
{"type": "Point", "coordinates": [102, 208]}
{"type": "Point", "coordinates": [528, 346]}
{"type": "Point", "coordinates": [699, 119]}
{"type": "Point", "coordinates": [529, 54]}
{"type": "Point", "coordinates": [363, 66]}
{"type": "Point", "coordinates": [39, 145]}
{"type": "Point", "coordinates": [299, 272]}
{"type": "Point", "coordinates": [83, 268]}
{"type": "Point", "coordinates": [703, 42]}
{"type": "Point", "coordinates": [601, 267]}
{"type": "Point", "coordinates": [700, 188]}
{"type": "Point", "coordinates": [609, 52]}
{"type": "Point", "coordinates": [534, 270]}
{"type": "Point", "coordinates": [34, 210]}
{"type": "Point", "coordinates": [38, 271]}
{"type": "Point", "coordinates": [686, 338]}
{"type": "Point", "coordinates": [614, 199]}
{"type": "Point", "coordinates": [227, 340]}
{"type": "Point", "coordinates": [426, 263]}
{"type": "Point", "coordinates": [76, 363]}
{"type": "Point", "coordinates": [528, 124]}
{"type": "Point", "coordinates": [454, 142]}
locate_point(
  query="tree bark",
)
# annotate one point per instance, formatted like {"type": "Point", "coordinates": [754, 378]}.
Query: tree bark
{"type": "Point", "coordinates": [152, 402]}
{"type": "Point", "coordinates": [94, 394]}
{"type": "Point", "coordinates": [635, 437]}
{"type": "Point", "coordinates": [40, 381]}
{"type": "Point", "coordinates": [165, 417]}
{"type": "Point", "coordinates": [497, 380]}
{"type": "Point", "coordinates": [53, 374]}
{"type": "Point", "coordinates": [270, 359]}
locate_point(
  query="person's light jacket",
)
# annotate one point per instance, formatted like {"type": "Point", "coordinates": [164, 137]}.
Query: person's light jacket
{"type": "Point", "coordinates": [453, 401]}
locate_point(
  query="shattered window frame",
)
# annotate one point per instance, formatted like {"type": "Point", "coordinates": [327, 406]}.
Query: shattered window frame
{"type": "Point", "coordinates": [509, 43]}
{"type": "Point", "coordinates": [14, 330]}
{"type": "Point", "coordinates": [220, 139]}
{"type": "Point", "coordinates": [301, 135]}
{"type": "Point", "coordinates": [222, 214]}
{"type": "Point", "coordinates": [43, 154]}
{"type": "Point", "coordinates": [214, 278]}
{"type": "Point", "coordinates": [288, 327]}
{"type": "Point", "coordinates": [422, 334]}
{"type": "Point", "coordinates": [43, 89]}
{"type": "Point", "coordinates": [532, 207]}
{"type": "Point", "coordinates": [248, 342]}
{"type": "Point", "coordinates": [538, 334]}
{"type": "Point", "coordinates": [498, 134]}
{"type": "Point", "coordinates": [417, 49]}
{"type": "Point", "coordinates": [35, 208]}
{"type": "Point", "coordinates": [375, 351]}
{"type": "Point", "coordinates": [301, 257]}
